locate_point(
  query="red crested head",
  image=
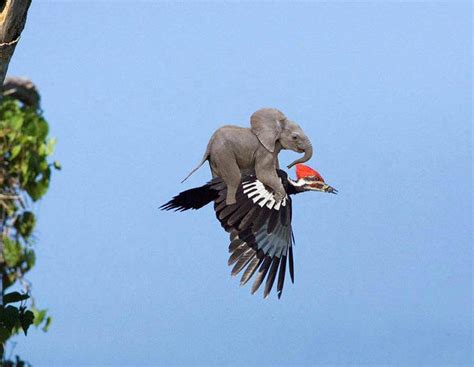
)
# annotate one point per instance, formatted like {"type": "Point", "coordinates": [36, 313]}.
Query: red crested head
{"type": "Point", "coordinates": [303, 171]}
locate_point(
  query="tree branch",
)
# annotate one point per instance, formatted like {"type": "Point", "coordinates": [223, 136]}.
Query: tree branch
{"type": "Point", "coordinates": [21, 89]}
{"type": "Point", "coordinates": [12, 21]}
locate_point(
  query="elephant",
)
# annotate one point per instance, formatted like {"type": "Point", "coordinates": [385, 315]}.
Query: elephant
{"type": "Point", "coordinates": [234, 149]}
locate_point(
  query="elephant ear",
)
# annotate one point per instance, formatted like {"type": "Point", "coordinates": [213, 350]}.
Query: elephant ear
{"type": "Point", "coordinates": [267, 130]}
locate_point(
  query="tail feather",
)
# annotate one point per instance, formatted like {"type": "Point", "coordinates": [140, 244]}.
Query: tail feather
{"type": "Point", "coordinates": [191, 199]}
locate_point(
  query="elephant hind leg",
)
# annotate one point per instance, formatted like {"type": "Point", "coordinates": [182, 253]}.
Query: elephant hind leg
{"type": "Point", "coordinates": [213, 168]}
{"type": "Point", "coordinates": [230, 174]}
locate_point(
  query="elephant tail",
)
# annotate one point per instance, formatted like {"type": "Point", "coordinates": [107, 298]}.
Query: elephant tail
{"type": "Point", "coordinates": [204, 159]}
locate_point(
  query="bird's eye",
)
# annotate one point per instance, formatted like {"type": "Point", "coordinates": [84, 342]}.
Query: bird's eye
{"type": "Point", "coordinates": [294, 137]}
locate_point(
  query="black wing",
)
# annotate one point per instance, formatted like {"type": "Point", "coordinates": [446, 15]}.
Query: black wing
{"type": "Point", "coordinates": [261, 234]}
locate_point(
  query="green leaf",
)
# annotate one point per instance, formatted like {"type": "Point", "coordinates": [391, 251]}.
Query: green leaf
{"type": "Point", "coordinates": [50, 146]}
{"type": "Point", "coordinates": [25, 223]}
{"type": "Point", "coordinates": [26, 319]}
{"type": "Point", "coordinates": [16, 121]}
{"type": "Point", "coordinates": [5, 334]}
{"type": "Point", "coordinates": [12, 251]}
{"type": "Point", "coordinates": [15, 151]}
{"type": "Point", "coordinates": [47, 324]}
{"type": "Point", "coordinates": [14, 297]}
{"type": "Point", "coordinates": [30, 258]}
{"type": "Point", "coordinates": [57, 165]}
{"type": "Point", "coordinates": [37, 190]}
{"type": "Point", "coordinates": [9, 316]}
{"type": "Point", "coordinates": [43, 150]}
{"type": "Point", "coordinates": [42, 128]}
{"type": "Point", "coordinates": [39, 316]}
{"type": "Point", "coordinates": [24, 168]}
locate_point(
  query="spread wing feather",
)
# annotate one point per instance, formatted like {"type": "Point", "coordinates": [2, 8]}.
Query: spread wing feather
{"type": "Point", "coordinates": [253, 265]}
{"type": "Point", "coordinates": [281, 276]}
{"type": "Point", "coordinates": [271, 276]}
{"type": "Point", "coordinates": [262, 272]}
{"type": "Point", "coordinates": [261, 234]}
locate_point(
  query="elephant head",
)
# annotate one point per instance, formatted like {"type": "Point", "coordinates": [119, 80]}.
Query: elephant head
{"type": "Point", "coordinates": [271, 125]}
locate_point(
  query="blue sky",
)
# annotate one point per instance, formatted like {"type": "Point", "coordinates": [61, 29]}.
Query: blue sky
{"type": "Point", "coordinates": [133, 91]}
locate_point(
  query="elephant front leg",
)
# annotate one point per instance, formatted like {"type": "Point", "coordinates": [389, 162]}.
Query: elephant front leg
{"type": "Point", "coordinates": [266, 173]}
{"type": "Point", "coordinates": [278, 190]}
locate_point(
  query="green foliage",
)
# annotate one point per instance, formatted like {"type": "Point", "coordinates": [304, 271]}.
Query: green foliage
{"type": "Point", "coordinates": [25, 175]}
{"type": "Point", "coordinates": [14, 297]}
{"type": "Point", "coordinates": [24, 149]}
{"type": "Point", "coordinates": [16, 363]}
{"type": "Point", "coordinates": [13, 319]}
{"type": "Point", "coordinates": [41, 319]}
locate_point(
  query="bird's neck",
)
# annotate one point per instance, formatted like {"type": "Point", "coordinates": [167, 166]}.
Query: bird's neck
{"type": "Point", "coordinates": [295, 187]}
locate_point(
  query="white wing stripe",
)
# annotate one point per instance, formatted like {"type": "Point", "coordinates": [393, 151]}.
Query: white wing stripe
{"type": "Point", "coordinates": [257, 191]}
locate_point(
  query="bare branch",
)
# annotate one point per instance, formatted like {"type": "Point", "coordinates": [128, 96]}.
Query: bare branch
{"type": "Point", "coordinates": [12, 21]}
{"type": "Point", "coordinates": [21, 89]}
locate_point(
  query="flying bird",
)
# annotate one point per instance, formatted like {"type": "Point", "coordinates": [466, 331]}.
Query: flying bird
{"type": "Point", "coordinates": [261, 236]}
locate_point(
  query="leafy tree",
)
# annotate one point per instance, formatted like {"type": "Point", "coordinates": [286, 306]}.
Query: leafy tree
{"type": "Point", "coordinates": [24, 178]}
{"type": "Point", "coordinates": [25, 174]}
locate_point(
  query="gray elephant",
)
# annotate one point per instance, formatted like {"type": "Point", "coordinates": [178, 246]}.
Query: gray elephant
{"type": "Point", "coordinates": [233, 149]}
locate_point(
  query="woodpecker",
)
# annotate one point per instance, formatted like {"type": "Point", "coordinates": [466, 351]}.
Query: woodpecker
{"type": "Point", "coordinates": [261, 236]}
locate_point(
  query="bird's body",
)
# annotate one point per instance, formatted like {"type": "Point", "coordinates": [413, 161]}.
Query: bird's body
{"type": "Point", "coordinates": [261, 236]}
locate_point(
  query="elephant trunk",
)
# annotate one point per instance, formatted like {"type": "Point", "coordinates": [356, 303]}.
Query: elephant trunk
{"type": "Point", "coordinates": [308, 153]}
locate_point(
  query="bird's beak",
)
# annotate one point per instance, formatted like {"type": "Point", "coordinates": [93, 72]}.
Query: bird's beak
{"type": "Point", "coordinates": [330, 189]}
{"type": "Point", "coordinates": [323, 187]}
